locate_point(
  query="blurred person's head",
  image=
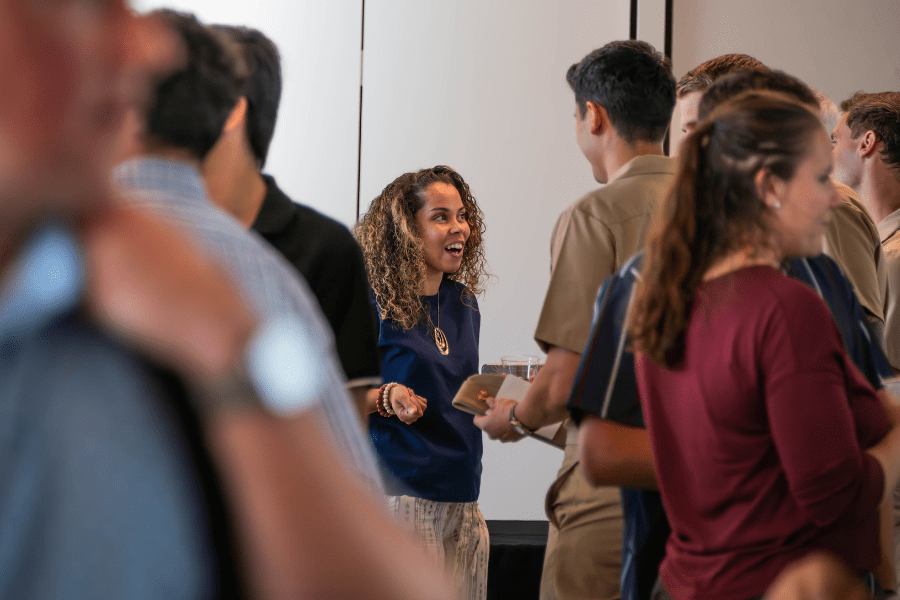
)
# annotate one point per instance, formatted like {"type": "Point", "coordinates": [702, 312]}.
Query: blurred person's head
{"type": "Point", "coordinates": [753, 180]}
{"type": "Point", "coordinates": [68, 71]}
{"type": "Point", "coordinates": [624, 90]}
{"type": "Point", "coordinates": [231, 168]}
{"type": "Point", "coordinates": [730, 86]}
{"type": "Point", "coordinates": [868, 136]}
{"type": "Point", "coordinates": [190, 107]}
{"type": "Point", "coordinates": [828, 110]}
{"type": "Point", "coordinates": [263, 87]}
{"type": "Point", "coordinates": [395, 245]}
{"type": "Point", "coordinates": [692, 84]}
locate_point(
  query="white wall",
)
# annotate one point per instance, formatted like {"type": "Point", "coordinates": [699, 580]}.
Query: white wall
{"type": "Point", "coordinates": [480, 86]}
{"type": "Point", "coordinates": [315, 149]}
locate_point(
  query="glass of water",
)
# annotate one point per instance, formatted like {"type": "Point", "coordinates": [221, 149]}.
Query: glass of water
{"type": "Point", "coordinates": [521, 365]}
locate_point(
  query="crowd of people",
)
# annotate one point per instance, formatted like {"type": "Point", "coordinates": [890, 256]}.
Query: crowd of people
{"type": "Point", "coordinates": [211, 391]}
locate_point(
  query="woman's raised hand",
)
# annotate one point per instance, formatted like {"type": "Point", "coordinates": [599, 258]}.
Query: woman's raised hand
{"type": "Point", "coordinates": [408, 406]}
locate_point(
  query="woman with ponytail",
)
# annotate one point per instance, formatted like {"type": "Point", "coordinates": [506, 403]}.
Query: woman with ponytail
{"type": "Point", "coordinates": [767, 441]}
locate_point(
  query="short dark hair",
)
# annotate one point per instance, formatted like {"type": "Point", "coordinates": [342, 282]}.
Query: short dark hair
{"type": "Point", "coordinates": [190, 106]}
{"type": "Point", "coordinates": [879, 113]}
{"type": "Point", "coordinates": [633, 82]}
{"type": "Point", "coordinates": [735, 84]}
{"type": "Point", "coordinates": [263, 89]}
{"type": "Point", "coordinates": [702, 76]}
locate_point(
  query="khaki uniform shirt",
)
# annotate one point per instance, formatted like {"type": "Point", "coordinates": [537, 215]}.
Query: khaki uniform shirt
{"type": "Point", "coordinates": [890, 241]}
{"type": "Point", "coordinates": [852, 240]}
{"type": "Point", "coordinates": [592, 239]}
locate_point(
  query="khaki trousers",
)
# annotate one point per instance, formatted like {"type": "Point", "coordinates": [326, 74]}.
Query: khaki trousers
{"type": "Point", "coordinates": [454, 534]}
{"type": "Point", "coordinates": [584, 545]}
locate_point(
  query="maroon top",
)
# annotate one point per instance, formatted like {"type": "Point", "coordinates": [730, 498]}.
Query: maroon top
{"type": "Point", "coordinates": [759, 437]}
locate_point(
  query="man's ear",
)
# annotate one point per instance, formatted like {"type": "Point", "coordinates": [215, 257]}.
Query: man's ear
{"type": "Point", "coordinates": [868, 144]}
{"type": "Point", "coordinates": [599, 119]}
{"type": "Point", "coordinates": [237, 116]}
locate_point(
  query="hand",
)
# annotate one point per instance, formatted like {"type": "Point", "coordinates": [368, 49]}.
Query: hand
{"type": "Point", "coordinates": [408, 406]}
{"type": "Point", "coordinates": [152, 288]}
{"type": "Point", "coordinates": [819, 576]}
{"type": "Point", "coordinates": [891, 405]}
{"type": "Point", "coordinates": [495, 422]}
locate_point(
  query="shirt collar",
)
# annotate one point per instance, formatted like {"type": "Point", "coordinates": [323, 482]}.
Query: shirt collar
{"type": "Point", "coordinates": [646, 164]}
{"type": "Point", "coordinates": [889, 226]}
{"type": "Point", "coordinates": [45, 280]}
{"type": "Point", "coordinates": [276, 211]}
{"type": "Point", "coordinates": [181, 181]}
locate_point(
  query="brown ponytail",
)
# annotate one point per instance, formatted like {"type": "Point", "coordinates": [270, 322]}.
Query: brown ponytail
{"type": "Point", "coordinates": [712, 209]}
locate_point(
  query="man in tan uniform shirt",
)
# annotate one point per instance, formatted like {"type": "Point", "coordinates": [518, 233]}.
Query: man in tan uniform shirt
{"type": "Point", "coordinates": [852, 240]}
{"type": "Point", "coordinates": [592, 239]}
{"type": "Point", "coordinates": [867, 159]}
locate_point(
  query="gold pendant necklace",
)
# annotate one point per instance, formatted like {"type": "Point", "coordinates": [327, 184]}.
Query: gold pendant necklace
{"type": "Point", "coordinates": [440, 340]}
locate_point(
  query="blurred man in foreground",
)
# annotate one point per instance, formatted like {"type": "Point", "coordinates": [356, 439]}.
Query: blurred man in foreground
{"type": "Point", "coordinates": [320, 248]}
{"type": "Point", "coordinates": [115, 482]}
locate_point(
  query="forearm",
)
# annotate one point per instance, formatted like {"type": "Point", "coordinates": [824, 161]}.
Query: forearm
{"type": "Point", "coordinates": [545, 402]}
{"type": "Point", "coordinates": [886, 573]}
{"type": "Point", "coordinates": [614, 454]}
{"type": "Point", "coordinates": [310, 528]}
{"type": "Point", "coordinates": [370, 402]}
{"type": "Point", "coordinates": [887, 453]}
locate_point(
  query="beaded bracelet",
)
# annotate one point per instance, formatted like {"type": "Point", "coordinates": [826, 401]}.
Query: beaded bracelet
{"type": "Point", "coordinates": [378, 401]}
{"type": "Point", "coordinates": [383, 401]}
{"type": "Point", "coordinates": [386, 398]}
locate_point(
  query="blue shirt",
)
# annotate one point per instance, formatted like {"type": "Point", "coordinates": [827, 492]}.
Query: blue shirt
{"type": "Point", "coordinates": [438, 457]}
{"type": "Point", "coordinates": [97, 497]}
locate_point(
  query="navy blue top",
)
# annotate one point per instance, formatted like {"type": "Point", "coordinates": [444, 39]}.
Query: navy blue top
{"type": "Point", "coordinates": [438, 457]}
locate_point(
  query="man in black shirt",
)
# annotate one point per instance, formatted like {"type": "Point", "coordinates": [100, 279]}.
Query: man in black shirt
{"type": "Point", "coordinates": [321, 249]}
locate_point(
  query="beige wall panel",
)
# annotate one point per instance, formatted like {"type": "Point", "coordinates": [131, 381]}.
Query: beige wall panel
{"type": "Point", "coordinates": [836, 46]}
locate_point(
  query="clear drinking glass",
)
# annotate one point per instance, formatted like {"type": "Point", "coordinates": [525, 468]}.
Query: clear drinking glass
{"type": "Point", "coordinates": [521, 365]}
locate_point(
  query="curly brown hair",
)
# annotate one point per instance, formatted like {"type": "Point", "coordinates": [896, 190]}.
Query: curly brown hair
{"type": "Point", "coordinates": [393, 250]}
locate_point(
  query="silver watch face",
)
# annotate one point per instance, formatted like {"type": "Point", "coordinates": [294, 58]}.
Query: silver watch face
{"type": "Point", "coordinates": [286, 366]}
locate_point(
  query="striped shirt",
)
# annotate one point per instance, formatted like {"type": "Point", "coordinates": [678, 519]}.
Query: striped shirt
{"type": "Point", "coordinates": [176, 191]}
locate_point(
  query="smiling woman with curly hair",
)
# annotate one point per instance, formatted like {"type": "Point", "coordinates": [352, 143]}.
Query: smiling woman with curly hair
{"type": "Point", "coordinates": [393, 248]}
{"type": "Point", "coordinates": [422, 243]}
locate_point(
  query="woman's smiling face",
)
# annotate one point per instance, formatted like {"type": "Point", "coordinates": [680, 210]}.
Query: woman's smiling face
{"type": "Point", "coordinates": [444, 228]}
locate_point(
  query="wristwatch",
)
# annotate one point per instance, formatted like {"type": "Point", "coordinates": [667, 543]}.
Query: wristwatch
{"type": "Point", "coordinates": [285, 366]}
{"type": "Point", "coordinates": [517, 424]}
{"type": "Point", "coordinates": [283, 372]}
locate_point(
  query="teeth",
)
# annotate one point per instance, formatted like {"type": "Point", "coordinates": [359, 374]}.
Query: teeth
{"type": "Point", "coordinates": [455, 247]}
